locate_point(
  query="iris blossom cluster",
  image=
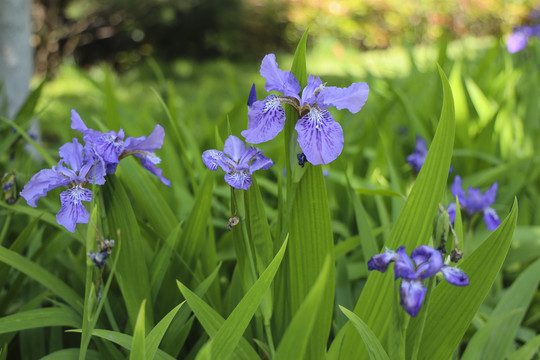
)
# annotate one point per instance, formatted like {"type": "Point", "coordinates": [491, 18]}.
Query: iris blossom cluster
{"type": "Point", "coordinates": [424, 263]}
{"type": "Point", "coordinates": [81, 166]}
{"type": "Point", "coordinates": [319, 136]}
{"type": "Point", "coordinates": [475, 202]}
{"type": "Point", "coordinates": [237, 161]}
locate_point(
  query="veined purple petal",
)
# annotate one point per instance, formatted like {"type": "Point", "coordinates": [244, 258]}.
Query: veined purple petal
{"type": "Point", "coordinates": [149, 161]}
{"type": "Point", "coordinates": [455, 276]}
{"type": "Point", "coordinates": [380, 262]}
{"type": "Point", "coordinates": [239, 178]}
{"type": "Point", "coordinates": [451, 210]}
{"type": "Point", "coordinates": [277, 79]}
{"type": "Point", "coordinates": [310, 92]}
{"type": "Point", "coordinates": [235, 148]}
{"type": "Point", "coordinates": [214, 158]}
{"type": "Point", "coordinates": [457, 190]}
{"type": "Point", "coordinates": [151, 143]}
{"type": "Point", "coordinates": [404, 267]}
{"type": "Point", "coordinates": [491, 219]}
{"type": "Point", "coordinates": [77, 123]}
{"type": "Point", "coordinates": [490, 195]}
{"type": "Point", "coordinates": [266, 120]}
{"type": "Point", "coordinates": [71, 154]}
{"type": "Point", "coordinates": [261, 163]}
{"type": "Point", "coordinates": [252, 96]}
{"type": "Point", "coordinates": [351, 98]}
{"type": "Point", "coordinates": [109, 146]}
{"type": "Point", "coordinates": [40, 184]}
{"type": "Point", "coordinates": [72, 210]}
{"type": "Point", "coordinates": [319, 136]}
{"type": "Point", "coordinates": [428, 261]}
{"type": "Point", "coordinates": [412, 294]}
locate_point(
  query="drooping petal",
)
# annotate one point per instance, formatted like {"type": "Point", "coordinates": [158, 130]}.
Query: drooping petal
{"type": "Point", "coordinates": [214, 158]}
{"type": "Point", "coordinates": [277, 79]}
{"type": "Point", "coordinates": [149, 161]}
{"type": "Point", "coordinates": [490, 195]}
{"type": "Point", "coordinates": [71, 154]}
{"type": "Point", "coordinates": [491, 219]}
{"type": "Point", "coordinates": [235, 148]}
{"type": "Point", "coordinates": [310, 92]}
{"type": "Point", "coordinates": [319, 136]}
{"type": "Point", "coordinates": [72, 210]}
{"type": "Point", "coordinates": [40, 184]}
{"type": "Point", "coordinates": [151, 143]}
{"type": "Point", "coordinates": [451, 210]}
{"type": "Point", "coordinates": [76, 122]}
{"type": "Point", "coordinates": [266, 120]}
{"type": "Point", "coordinates": [351, 98]}
{"type": "Point", "coordinates": [428, 261]}
{"type": "Point", "coordinates": [412, 294]}
{"type": "Point", "coordinates": [404, 267]}
{"type": "Point", "coordinates": [239, 178]}
{"type": "Point", "coordinates": [458, 192]}
{"type": "Point", "coordinates": [455, 276]}
{"type": "Point", "coordinates": [92, 172]}
{"type": "Point", "coordinates": [260, 162]}
{"type": "Point", "coordinates": [380, 262]}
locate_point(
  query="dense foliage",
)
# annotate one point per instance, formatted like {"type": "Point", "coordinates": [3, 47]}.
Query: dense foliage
{"type": "Point", "coordinates": [290, 279]}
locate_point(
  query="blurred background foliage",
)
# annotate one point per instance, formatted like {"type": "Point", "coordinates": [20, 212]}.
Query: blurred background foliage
{"type": "Point", "coordinates": [122, 32]}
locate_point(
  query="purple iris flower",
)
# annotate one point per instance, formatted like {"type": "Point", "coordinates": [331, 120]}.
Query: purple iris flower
{"type": "Point", "coordinates": [424, 263]}
{"type": "Point", "coordinates": [74, 170]}
{"type": "Point", "coordinates": [319, 136]}
{"type": "Point", "coordinates": [519, 38]}
{"type": "Point", "coordinates": [237, 161]}
{"type": "Point", "coordinates": [110, 147]}
{"type": "Point", "coordinates": [474, 202]}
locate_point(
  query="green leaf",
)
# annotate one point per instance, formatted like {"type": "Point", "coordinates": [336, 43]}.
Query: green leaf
{"type": "Point", "coordinates": [70, 354]}
{"type": "Point", "coordinates": [294, 343]}
{"type": "Point", "coordinates": [132, 271]}
{"type": "Point", "coordinates": [451, 308]}
{"type": "Point", "coordinates": [39, 318]}
{"type": "Point", "coordinates": [44, 277]}
{"type": "Point", "coordinates": [193, 237]}
{"type": "Point", "coordinates": [154, 337]}
{"type": "Point", "coordinates": [124, 341]}
{"type": "Point", "coordinates": [498, 342]}
{"type": "Point", "coordinates": [374, 347]}
{"type": "Point", "coordinates": [527, 351]}
{"type": "Point", "coordinates": [226, 339]}
{"type": "Point", "coordinates": [138, 346]}
{"type": "Point", "coordinates": [412, 228]}
{"type": "Point", "coordinates": [212, 321]}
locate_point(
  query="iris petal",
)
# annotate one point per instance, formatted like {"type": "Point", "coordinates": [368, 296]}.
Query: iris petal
{"type": "Point", "coordinates": [457, 191]}
{"type": "Point", "coordinates": [76, 122]}
{"type": "Point", "coordinates": [380, 262]}
{"type": "Point", "coordinates": [412, 294]}
{"type": "Point", "coordinates": [277, 79]}
{"type": "Point", "coordinates": [151, 143]}
{"type": "Point", "coordinates": [404, 267]}
{"type": "Point", "coordinates": [235, 148]}
{"type": "Point", "coordinates": [71, 154]}
{"type": "Point", "coordinates": [266, 120]}
{"type": "Point", "coordinates": [491, 219]}
{"type": "Point", "coordinates": [351, 98]}
{"type": "Point", "coordinates": [319, 137]}
{"type": "Point", "coordinates": [72, 210]}
{"type": "Point", "coordinates": [149, 161]}
{"type": "Point", "coordinates": [455, 276]}
{"type": "Point", "coordinates": [428, 261]}
{"type": "Point", "coordinates": [239, 179]}
{"type": "Point", "coordinates": [40, 184]}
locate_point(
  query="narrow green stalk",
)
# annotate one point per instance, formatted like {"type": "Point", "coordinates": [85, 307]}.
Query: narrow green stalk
{"type": "Point", "coordinates": [5, 228]}
{"type": "Point", "coordinates": [240, 210]}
